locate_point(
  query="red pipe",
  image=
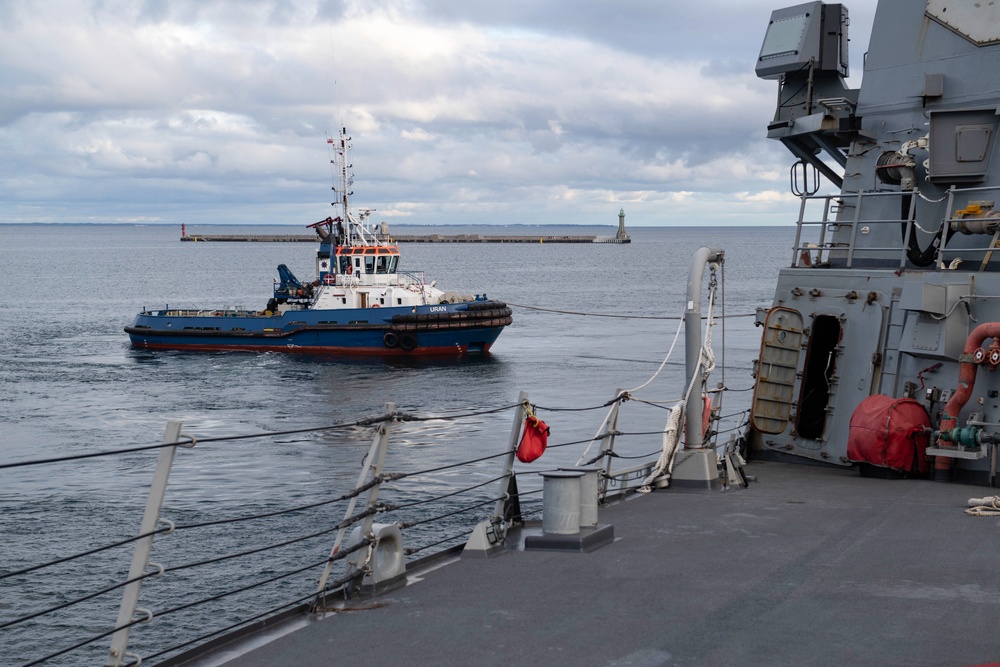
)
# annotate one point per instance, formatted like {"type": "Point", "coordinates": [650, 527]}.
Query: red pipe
{"type": "Point", "coordinates": [966, 381]}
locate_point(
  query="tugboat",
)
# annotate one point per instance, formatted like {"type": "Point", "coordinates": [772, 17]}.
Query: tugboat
{"type": "Point", "coordinates": [359, 303]}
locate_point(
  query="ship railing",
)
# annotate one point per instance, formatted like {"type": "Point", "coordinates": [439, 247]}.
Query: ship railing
{"type": "Point", "coordinates": [958, 217]}
{"type": "Point", "coordinates": [412, 278]}
{"type": "Point", "coordinates": [816, 230]}
{"type": "Point", "coordinates": [228, 311]}
{"type": "Point", "coordinates": [199, 574]}
{"type": "Point", "coordinates": [380, 279]}
{"type": "Point", "coordinates": [819, 247]}
{"type": "Point", "coordinates": [416, 279]}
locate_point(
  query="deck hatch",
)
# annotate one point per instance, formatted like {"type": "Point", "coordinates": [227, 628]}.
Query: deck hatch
{"type": "Point", "coordinates": [773, 393]}
{"type": "Point", "coordinates": [817, 376]}
{"type": "Point", "coordinates": [961, 144]}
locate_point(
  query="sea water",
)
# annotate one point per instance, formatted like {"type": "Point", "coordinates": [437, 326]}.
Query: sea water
{"type": "Point", "coordinates": [70, 383]}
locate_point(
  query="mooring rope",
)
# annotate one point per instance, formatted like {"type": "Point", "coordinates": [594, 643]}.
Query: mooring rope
{"type": "Point", "coordinates": [675, 423]}
{"type": "Point", "coordinates": [626, 394]}
{"type": "Point", "coordinates": [611, 315]}
{"type": "Point", "coordinates": [673, 344]}
{"type": "Point", "coordinates": [671, 441]}
{"type": "Point", "coordinates": [988, 506]}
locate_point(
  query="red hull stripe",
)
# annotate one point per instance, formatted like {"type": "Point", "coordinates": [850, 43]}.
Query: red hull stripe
{"type": "Point", "coordinates": [317, 349]}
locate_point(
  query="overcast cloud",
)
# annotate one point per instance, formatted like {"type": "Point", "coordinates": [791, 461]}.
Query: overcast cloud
{"type": "Point", "coordinates": [462, 112]}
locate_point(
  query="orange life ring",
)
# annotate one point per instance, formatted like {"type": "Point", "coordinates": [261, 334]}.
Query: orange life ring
{"type": "Point", "coordinates": [375, 305]}
{"type": "Point", "coordinates": [329, 279]}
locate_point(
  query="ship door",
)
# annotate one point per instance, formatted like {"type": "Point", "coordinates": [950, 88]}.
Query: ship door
{"type": "Point", "coordinates": [817, 376]}
{"type": "Point", "coordinates": [364, 299]}
{"type": "Point", "coordinates": [780, 347]}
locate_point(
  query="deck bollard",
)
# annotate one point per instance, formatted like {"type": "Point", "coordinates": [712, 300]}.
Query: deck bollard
{"type": "Point", "coordinates": [588, 494]}
{"type": "Point", "coordinates": [588, 497]}
{"type": "Point", "coordinates": [561, 502]}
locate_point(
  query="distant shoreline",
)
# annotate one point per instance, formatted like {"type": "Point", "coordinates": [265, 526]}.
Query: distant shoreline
{"type": "Point", "coordinates": [563, 225]}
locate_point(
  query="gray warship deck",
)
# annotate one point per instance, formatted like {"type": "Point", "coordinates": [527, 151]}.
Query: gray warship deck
{"type": "Point", "coordinates": [808, 565]}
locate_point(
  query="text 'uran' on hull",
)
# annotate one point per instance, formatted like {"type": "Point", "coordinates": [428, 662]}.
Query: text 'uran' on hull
{"type": "Point", "coordinates": [360, 302]}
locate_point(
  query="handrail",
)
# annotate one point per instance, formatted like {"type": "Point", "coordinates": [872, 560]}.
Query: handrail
{"type": "Point", "coordinates": [431, 517]}
{"type": "Point", "coordinates": [802, 250]}
{"type": "Point", "coordinates": [140, 561]}
{"type": "Point", "coordinates": [415, 278]}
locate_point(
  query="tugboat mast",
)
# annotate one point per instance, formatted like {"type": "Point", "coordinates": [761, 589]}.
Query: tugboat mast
{"type": "Point", "coordinates": [351, 231]}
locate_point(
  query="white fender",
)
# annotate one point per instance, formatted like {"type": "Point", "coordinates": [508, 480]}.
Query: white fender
{"type": "Point", "coordinates": [388, 559]}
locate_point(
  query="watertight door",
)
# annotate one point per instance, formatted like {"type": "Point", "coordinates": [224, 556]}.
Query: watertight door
{"type": "Point", "coordinates": [779, 359]}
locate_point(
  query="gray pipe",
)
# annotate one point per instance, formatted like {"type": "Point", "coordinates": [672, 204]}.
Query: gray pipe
{"type": "Point", "coordinates": [692, 344]}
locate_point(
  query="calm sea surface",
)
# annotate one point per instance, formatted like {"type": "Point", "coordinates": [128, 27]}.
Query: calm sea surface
{"type": "Point", "coordinates": [70, 383]}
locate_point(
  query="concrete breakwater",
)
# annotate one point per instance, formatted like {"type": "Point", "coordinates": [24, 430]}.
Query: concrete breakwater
{"type": "Point", "coordinates": [405, 238]}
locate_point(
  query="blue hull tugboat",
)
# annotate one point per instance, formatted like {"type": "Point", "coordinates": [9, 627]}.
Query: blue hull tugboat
{"type": "Point", "coordinates": [360, 303]}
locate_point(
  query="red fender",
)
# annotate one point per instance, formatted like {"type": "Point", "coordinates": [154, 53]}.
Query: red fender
{"type": "Point", "coordinates": [533, 441]}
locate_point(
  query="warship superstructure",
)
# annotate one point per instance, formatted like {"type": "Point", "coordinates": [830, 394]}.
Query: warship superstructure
{"type": "Point", "coordinates": [893, 286]}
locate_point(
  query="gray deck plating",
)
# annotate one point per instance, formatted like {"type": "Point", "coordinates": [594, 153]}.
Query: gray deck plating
{"type": "Point", "coordinates": [807, 566]}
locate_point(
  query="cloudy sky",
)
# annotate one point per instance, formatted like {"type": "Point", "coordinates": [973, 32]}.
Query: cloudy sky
{"type": "Point", "coordinates": [461, 111]}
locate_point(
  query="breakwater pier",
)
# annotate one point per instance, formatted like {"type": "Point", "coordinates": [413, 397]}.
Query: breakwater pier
{"type": "Point", "coordinates": [406, 238]}
{"type": "Point", "coordinates": [621, 236]}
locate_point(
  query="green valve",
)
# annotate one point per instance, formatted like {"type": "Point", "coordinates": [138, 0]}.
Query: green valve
{"type": "Point", "coordinates": [965, 437]}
